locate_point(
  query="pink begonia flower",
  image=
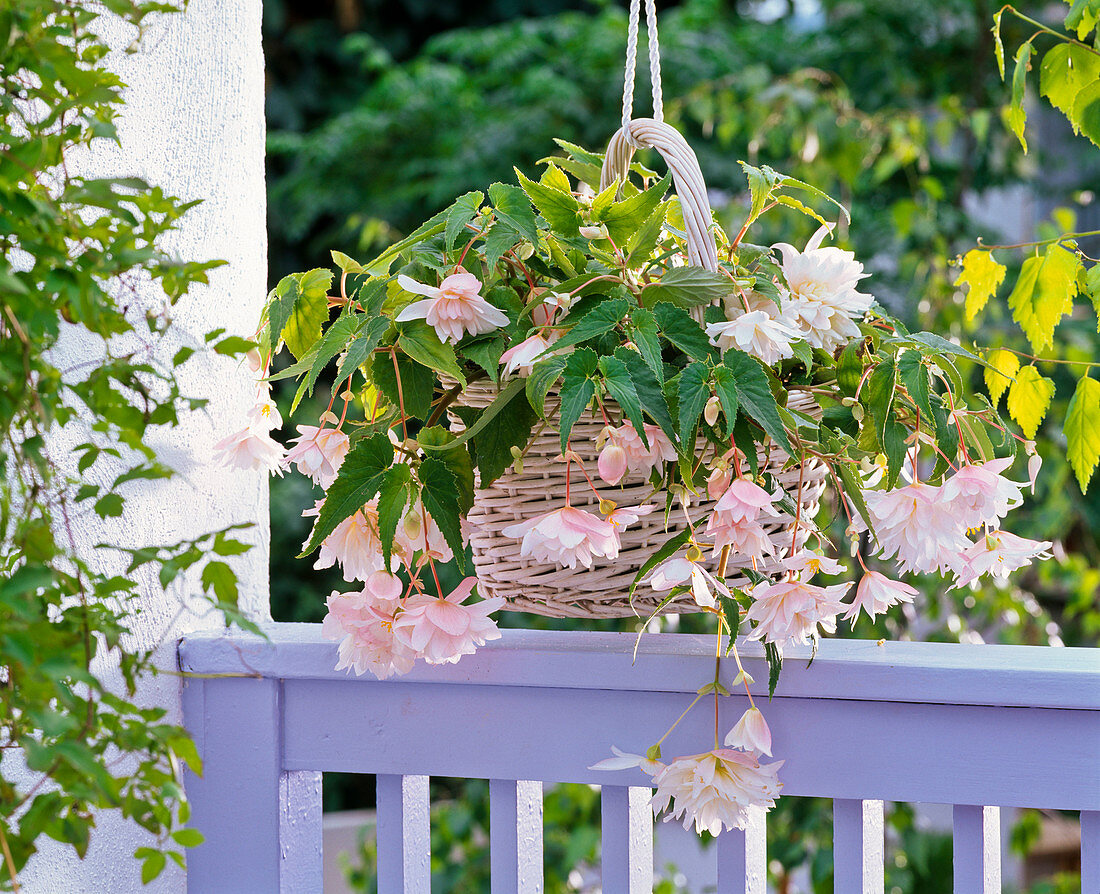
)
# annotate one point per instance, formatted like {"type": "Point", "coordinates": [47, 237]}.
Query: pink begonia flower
{"type": "Point", "coordinates": [979, 495]}
{"type": "Point", "coordinates": [453, 308]}
{"type": "Point", "coordinates": [877, 593]}
{"type": "Point", "coordinates": [264, 414]}
{"type": "Point", "coordinates": [789, 611]}
{"type": "Point", "coordinates": [806, 564]}
{"type": "Point", "coordinates": [915, 524]}
{"type": "Point", "coordinates": [715, 789]}
{"type": "Point", "coordinates": [622, 517]}
{"type": "Point", "coordinates": [319, 453]}
{"type": "Point", "coordinates": [639, 458]}
{"type": "Point", "coordinates": [353, 543]}
{"type": "Point", "coordinates": [823, 302]}
{"type": "Point", "coordinates": [999, 553]}
{"type": "Point", "coordinates": [718, 481]}
{"type": "Point", "coordinates": [676, 572]}
{"type": "Point", "coordinates": [744, 501]}
{"type": "Point", "coordinates": [611, 465]}
{"type": "Point", "coordinates": [248, 449]}
{"type": "Point", "coordinates": [441, 629]}
{"type": "Point", "coordinates": [755, 333]}
{"type": "Point", "coordinates": [362, 623]}
{"type": "Point", "coordinates": [751, 733]}
{"type": "Point", "coordinates": [566, 536]}
{"type": "Point", "coordinates": [625, 761]}
{"type": "Point", "coordinates": [409, 538]}
{"type": "Point", "coordinates": [521, 358]}
{"type": "Point", "coordinates": [743, 538]}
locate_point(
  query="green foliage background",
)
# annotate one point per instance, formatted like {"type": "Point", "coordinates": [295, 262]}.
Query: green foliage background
{"type": "Point", "coordinates": [894, 106]}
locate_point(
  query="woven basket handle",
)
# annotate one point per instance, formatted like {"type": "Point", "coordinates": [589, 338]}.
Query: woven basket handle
{"type": "Point", "coordinates": [686, 175]}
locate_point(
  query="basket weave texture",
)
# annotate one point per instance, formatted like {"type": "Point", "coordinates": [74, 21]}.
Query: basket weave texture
{"type": "Point", "coordinates": [602, 591]}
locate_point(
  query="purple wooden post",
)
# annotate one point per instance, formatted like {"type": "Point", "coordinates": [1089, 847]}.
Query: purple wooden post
{"type": "Point", "coordinates": [858, 844]}
{"type": "Point", "coordinates": [515, 832]}
{"type": "Point", "coordinates": [626, 861]}
{"type": "Point", "coordinates": [235, 804]}
{"type": "Point", "coordinates": [300, 831]}
{"type": "Point", "coordinates": [977, 843]}
{"type": "Point", "coordinates": [743, 857]}
{"type": "Point", "coordinates": [404, 835]}
{"type": "Point", "coordinates": [1090, 852]}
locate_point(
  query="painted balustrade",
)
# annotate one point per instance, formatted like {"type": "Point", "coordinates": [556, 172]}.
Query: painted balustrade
{"type": "Point", "coordinates": [978, 727]}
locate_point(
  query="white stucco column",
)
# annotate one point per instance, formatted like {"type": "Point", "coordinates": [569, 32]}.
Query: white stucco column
{"type": "Point", "coordinates": [193, 124]}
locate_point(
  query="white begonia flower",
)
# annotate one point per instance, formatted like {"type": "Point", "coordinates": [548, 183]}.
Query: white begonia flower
{"type": "Point", "coordinates": [755, 333]}
{"type": "Point", "coordinates": [454, 308]}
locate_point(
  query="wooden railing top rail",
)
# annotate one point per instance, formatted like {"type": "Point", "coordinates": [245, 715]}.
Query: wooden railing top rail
{"type": "Point", "coordinates": [931, 673]}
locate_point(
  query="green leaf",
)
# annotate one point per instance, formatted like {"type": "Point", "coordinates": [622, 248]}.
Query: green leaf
{"type": "Point", "coordinates": [849, 369]}
{"type": "Point", "coordinates": [1000, 370]}
{"type": "Point", "coordinates": [460, 214]}
{"type": "Point", "coordinates": [617, 381]}
{"type": "Point", "coordinates": [775, 666]}
{"type": "Point", "coordinates": [541, 379]}
{"type": "Point", "coordinates": [509, 426]}
{"type": "Point", "coordinates": [1017, 114]}
{"type": "Point", "coordinates": [1082, 17]}
{"type": "Point", "coordinates": [456, 457]}
{"type": "Point", "coordinates": [1086, 111]}
{"type": "Point", "coordinates": [913, 374]}
{"type": "Point", "coordinates": [646, 339]}
{"type": "Point", "coordinates": [1092, 289]}
{"type": "Point", "coordinates": [486, 353]}
{"type": "Point", "coordinates": [650, 393]}
{"type": "Point", "coordinates": [299, 309]}
{"type": "Point", "coordinates": [417, 383]}
{"type": "Point", "coordinates": [420, 341]}
{"type": "Point", "coordinates": [603, 317]}
{"type": "Point", "coordinates": [624, 219]}
{"type": "Point", "coordinates": [693, 392]}
{"type": "Point", "coordinates": [439, 491]}
{"type": "Point", "coordinates": [1065, 71]}
{"type": "Point", "coordinates": [762, 181]}
{"type": "Point", "coordinates": [346, 264]}
{"type": "Point", "coordinates": [560, 210]}
{"type": "Point", "coordinates": [360, 350]}
{"type": "Point", "coordinates": [380, 266]}
{"type": "Point", "coordinates": [1082, 430]}
{"type": "Point", "coordinates": [219, 577]}
{"type": "Point", "coordinates": [983, 274]}
{"type": "Point", "coordinates": [188, 837]}
{"type": "Point", "coordinates": [577, 390]}
{"type": "Point", "coordinates": [1044, 294]}
{"type": "Point", "coordinates": [726, 387]}
{"type": "Point", "coordinates": [357, 482]}
{"type": "Point", "coordinates": [681, 330]}
{"type": "Point", "coordinates": [732, 612]}
{"type": "Point", "coordinates": [233, 346]}
{"type": "Point", "coordinates": [878, 395]}
{"type": "Point", "coordinates": [998, 44]}
{"type": "Point", "coordinates": [555, 179]}
{"type": "Point", "coordinates": [754, 396]}
{"type": "Point", "coordinates": [393, 496]}
{"type": "Point", "coordinates": [152, 866]}
{"type": "Point", "coordinates": [511, 206]}
{"type": "Point", "coordinates": [1029, 399]}
{"type": "Point", "coordinates": [109, 506]}
{"type": "Point", "coordinates": [645, 239]}
{"type": "Point", "coordinates": [689, 286]}
{"type": "Point", "coordinates": [854, 491]}
{"type": "Point", "coordinates": [487, 416]}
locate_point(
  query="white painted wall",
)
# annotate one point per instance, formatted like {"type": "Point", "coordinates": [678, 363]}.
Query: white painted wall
{"type": "Point", "coordinates": [193, 123]}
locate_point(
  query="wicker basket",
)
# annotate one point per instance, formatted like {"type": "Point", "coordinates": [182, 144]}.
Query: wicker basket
{"type": "Point", "coordinates": [603, 591]}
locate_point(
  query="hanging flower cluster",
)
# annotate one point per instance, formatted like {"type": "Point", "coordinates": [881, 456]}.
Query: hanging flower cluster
{"type": "Point", "coordinates": [712, 392]}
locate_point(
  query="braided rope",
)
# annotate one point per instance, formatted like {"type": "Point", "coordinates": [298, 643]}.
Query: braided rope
{"type": "Point", "coordinates": [632, 62]}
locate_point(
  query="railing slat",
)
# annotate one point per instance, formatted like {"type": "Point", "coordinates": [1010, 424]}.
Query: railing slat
{"type": "Point", "coordinates": [515, 832]}
{"type": "Point", "coordinates": [300, 832]}
{"type": "Point", "coordinates": [1090, 852]}
{"type": "Point", "coordinates": [858, 845]}
{"type": "Point", "coordinates": [627, 843]}
{"type": "Point", "coordinates": [977, 843]}
{"type": "Point", "coordinates": [743, 857]}
{"type": "Point", "coordinates": [404, 835]}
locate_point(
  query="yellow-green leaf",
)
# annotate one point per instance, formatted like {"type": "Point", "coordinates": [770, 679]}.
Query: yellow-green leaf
{"type": "Point", "coordinates": [983, 273]}
{"type": "Point", "coordinates": [1086, 111]}
{"type": "Point", "coordinates": [1066, 69]}
{"type": "Point", "coordinates": [998, 44]}
{"type": "Point", "coordinates": [1044, 294]}
{"type": "Point", "coordinates": [1082, 430]}
{"type": "Point", "coordinates": [999, 373]}
{"type": "Point", "coordinates": [1029, 399]}
{"type": "Point", "coordinates": [1017, 115]}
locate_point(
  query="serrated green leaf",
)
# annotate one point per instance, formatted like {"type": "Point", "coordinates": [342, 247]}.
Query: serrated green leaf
{"type": "Point", "coordinates": [422, 344]}
{"type": "Point", "coordinates": [541, 379]}
{"type": "Point", "coordinates": [510, 204]}
{"type": "Point", "coordinates": [299, 309]}
{"type": "Point", "coordinates": [1044, 294]}
{"type": "Point", "coordinates": [1086, 111]}
{"type": "Point", "coordinates": [577, 390]}
{"type": "Point", "coordinates": [554, 178]}
{"type": "Point", "coordinates": [455, 456]}
{"type": "Point", "coordinates": [755, 396]}
{"type": "Point", "coordinates": [1082, 430]}
{"type": "Point", "coordinates": [1082, 17]}
{"type": "Point", "coordinates": [650, 393]}
{"type": "Point", "coordinates": [645, 239]}
{"type": "Point", "coordinates": [983, 274]}
{"type": "Point", "coordinates": [849, 369]}
{"type": "Point", "coordinates": [645, 336]}
{"type": "Point", "coordinates": [1017, 114]}
{"type": "Point", "coordinates": [435, 225]}
{"type": "Point", "coordinates": [688, 286]}
{"type": "Point", "coordinates": [681, 330]}
{"type": "Point", "coordinates": [1066, 69]}
{"type": "Point", "coordinates": [346, 264]}
{"type": "Point", "coordinates": [560, 210]}
{"type": "Point", "coordinates": [1001, 369]}
{"type": "Point", "coordinates": [624, 219]}
{"type": "Point", "coordinates": [1029, 399]}
{"type": "Point", "coordinates": [439, 492]}
{"type": "Point", "coordinates": [459, 214]}
{"type": "Point", "coordinates": [393, 496]}
{"type": "Point", "coordinates": [726, 388]}
{"type": "Point", "coordinates": [357, 482]}
{"type": "Point", "coordinates": [219, 577]}
{"type": "Point", "coordinates": [510, 426]}
{"type": "Point", "coordinates": [603, 317]}
{"type": "Point", "coordinates": [620, 386]}
{"type": "Point", "coordinates": [693, 392]}
{"type": "Point", "coordinates": [413, 390]}
{"type": "Point", "coordinates": [913, 374]}
{"type": "Point", "coordinates": [361, 349]}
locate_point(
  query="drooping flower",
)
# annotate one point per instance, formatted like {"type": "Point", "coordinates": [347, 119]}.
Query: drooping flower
{"type": "Point", "coordinates": [248, 449]}
{"type": "Point", "coordinates": [625, 761]}
{"type": "Point", "coordinates": [714, 790]}
{"type": "Point", "coordinates": [362, 623]}
{"type": "Point", "coordinates": [639, 458]}
{"type": "Point", "coordinates": [622, 517]}
{"type": "Point", "coordinates": [442, 629]}
{"type": "Point", "coordinates": [999, 553]}
{"type": "Point", "coordinates": [877, 593]}
{"type": "Point", "coordinates": [743, 538]}
{"type": "Point", "coordinates": [264, 415]}
{"type": "Point", "coordinates": [790, 611]}
{"type": "Point", "coordinates": [520, 358]}
{"type": "Point", "coordinates": [679, 571]}
{"type": "Point", "coordinates": [980, 495]}
{"type": "Point", "coordinates": [409, 537]}
{"type": "Point", "coordinates": [806, 564]}
{"type": "Point", "coordinates": [755, 333]}
{"type": "Point", "coordinates": [453, 308]}
{"type": "Point", "coordinates": [751, 733]}
{"type": "Point", "coordinates": [744, 501]}
{"type": "Point", "coordinates": [736, 521]}
{"type": "Point", "coordinates": [566, 536]}
{"type": "Point", "coordinates": [319, 453]}
{"type": "Point", "coordinates": [915, 524]}
{"type": "Point", "coordinates": [353, 543]}
{"type": "Point", "coordinates": [611, 463]}
{"type": "Point", "coordinates": [823, 302]}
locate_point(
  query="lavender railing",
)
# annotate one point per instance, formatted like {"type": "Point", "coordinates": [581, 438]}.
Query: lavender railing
{"type": "Point", "coordinates": [979, 727]}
